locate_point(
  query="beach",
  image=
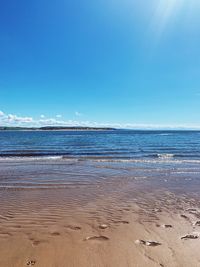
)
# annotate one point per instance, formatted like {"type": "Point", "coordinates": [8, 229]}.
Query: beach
{"type": "Point", "coordinates": [79, 241]}
{"type": "Point", "coordinates": [102, 220]}
{"type": "Point", "coordinates": [100, 133]}
{"type": "Point", "coordinates": [99, 199]}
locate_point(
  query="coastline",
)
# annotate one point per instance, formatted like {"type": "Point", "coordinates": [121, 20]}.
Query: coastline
{"type": "Point", "coordinates": [112, 200]}
{"type": "Point", "coordinates": [54, 128]}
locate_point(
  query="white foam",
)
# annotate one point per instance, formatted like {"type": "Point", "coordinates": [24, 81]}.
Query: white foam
{"type": "Point", "coordinates": [165, 156]}
{"type": "Point", "coordinates": [161, 159]}
{"type": "Point", "coordinates": [32, 158]}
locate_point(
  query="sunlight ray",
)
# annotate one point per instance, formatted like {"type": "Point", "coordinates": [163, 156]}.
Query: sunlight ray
{"type": "Point", "coordinates": [164, 12]}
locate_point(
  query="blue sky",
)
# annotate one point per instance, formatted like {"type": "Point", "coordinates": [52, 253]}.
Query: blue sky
{"type": "Point", "coordinates": [127, 63]}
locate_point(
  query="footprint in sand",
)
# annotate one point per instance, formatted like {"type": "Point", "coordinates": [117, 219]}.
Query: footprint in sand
{"type": "Point", "coordinates": [164, 225]}
{"type": "Point", "coordinates": [55, 233]}
{"type": "Point", "coordinates": [96, 238]}
{"type": "Point", "coordinates": [149, 243]}
{"type": "Point", "coordinates": [184, 216]}
{"type": "Point", "coordinates": [37, 242]}
{"type": "Point", "coordinates": [31, 263]}
{"type": "Point", "coordinates": [73, 227]}
{"type": "Point", "coordinates": [197, 223]}
{"type": "Point", "coordinates": [121, 222]}
{"type": "Point", "coordinates": [191, 236]}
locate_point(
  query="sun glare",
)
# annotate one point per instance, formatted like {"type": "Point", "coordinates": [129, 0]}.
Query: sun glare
{"type": "Point", "coordinates": [166, 11]}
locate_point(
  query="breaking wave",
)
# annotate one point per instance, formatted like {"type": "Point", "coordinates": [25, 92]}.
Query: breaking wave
{"type": "Point", "coordinates": [165, 156]}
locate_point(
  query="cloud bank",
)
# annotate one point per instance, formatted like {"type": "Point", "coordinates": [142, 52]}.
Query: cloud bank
{"type": "Point", "coordinates": [25, 121]}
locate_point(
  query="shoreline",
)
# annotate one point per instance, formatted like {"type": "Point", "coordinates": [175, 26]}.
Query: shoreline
{"type": "Point", "coordinates": [59, 213]}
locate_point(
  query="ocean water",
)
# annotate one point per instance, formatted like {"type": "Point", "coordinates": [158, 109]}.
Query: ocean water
{"type": "Point", "coordinates": [105, 145]}
{"type": "Point", "coordinates": [83, 159]}
{"type": "Point", "coordinates": [46, 176]}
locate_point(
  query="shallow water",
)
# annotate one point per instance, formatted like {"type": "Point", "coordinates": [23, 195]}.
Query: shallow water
{"type": "Point", "coordinates": [46, 176]}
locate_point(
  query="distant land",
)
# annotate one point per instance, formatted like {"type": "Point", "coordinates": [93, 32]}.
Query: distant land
{"type": "Point", "coordinates": [55, 128]}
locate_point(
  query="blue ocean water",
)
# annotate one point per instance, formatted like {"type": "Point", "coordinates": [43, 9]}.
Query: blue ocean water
{"type": "Point", "coordinates": [81, 159]}
{"type": "Point", "coordinates": [107, 145]}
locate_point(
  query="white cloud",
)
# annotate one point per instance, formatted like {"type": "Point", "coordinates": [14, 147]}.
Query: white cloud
{"type": "Point", "coordinates": [1, 113]}
{"type": "Point", "coordinates": [15, 120]}
{"type": "Point", "coordinates": [42, 116]}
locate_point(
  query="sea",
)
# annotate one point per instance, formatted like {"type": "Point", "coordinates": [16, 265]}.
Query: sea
{"type": "Point", "coordinates": [117, 145]}
{"type": "Point", "coordinates": [78, 159]}
{"type": "Point", "coordinates": [55, 173]}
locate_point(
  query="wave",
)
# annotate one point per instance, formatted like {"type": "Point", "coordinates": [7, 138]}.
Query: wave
{"type": "Point", "coordinates": [154, 161]}
{"type": "Point", "coordinates": [155, 158]}
{"type": "Point", "coordinates": [29, 158]}
{"type": "Point", "coordinates": [165, 134]}
{"type": "Point", "coordinates": [165, 156]}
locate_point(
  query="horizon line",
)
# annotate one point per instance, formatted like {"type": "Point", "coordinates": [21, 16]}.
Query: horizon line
{"type": "Point", "coordinates": [75, 127]}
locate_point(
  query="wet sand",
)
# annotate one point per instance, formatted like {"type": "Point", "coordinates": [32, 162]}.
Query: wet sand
{"type": "Point", "coordinates": [103, 222]}
{"type": "Point", "coordinates": [103, 239]}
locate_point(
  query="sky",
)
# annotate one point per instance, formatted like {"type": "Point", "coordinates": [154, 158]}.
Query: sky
{"type": "Point", "coordinates": [122, 63]}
